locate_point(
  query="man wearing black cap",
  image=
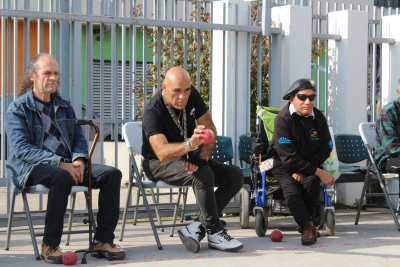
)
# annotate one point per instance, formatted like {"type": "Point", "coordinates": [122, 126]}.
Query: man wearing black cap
{"type": "Point", "coordinates": [301, 143]}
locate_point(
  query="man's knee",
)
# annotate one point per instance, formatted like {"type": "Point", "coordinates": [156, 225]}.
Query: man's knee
{"type": "Point", "coordinates": [204, 176]}
{"type": "Point", "coordinates": [62, 178]}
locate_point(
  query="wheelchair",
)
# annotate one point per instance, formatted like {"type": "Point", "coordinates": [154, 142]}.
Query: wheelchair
{"type": "Point", "coordinates": [262, 196]}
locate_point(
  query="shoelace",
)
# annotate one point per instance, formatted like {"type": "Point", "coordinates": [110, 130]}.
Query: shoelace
{"type": "Point", "coordinates": [201, 233]}
{"type": "Point", "coordinates": [52, 249]}
{"type": "Point", "coordinates": [225, 235]}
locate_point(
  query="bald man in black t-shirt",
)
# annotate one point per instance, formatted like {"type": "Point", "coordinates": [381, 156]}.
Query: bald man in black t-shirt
{"type": "Point", "coordinates": [170, 138]}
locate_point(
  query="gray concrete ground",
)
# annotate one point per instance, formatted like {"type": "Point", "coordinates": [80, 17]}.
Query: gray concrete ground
{"type": "Point", "coordinates": [374, 242]}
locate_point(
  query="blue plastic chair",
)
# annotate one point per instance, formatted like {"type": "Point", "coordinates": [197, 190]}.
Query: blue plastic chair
{"type": "Point", "coordinates": [244, 148]}
{"type": "Point", "coordinates": [350, 149]}
{"type": "Point", "coordinates": [223, 150]}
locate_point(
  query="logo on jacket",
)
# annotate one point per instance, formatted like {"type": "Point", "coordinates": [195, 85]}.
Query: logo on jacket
{"type": "Point", "coordinates": [283, 140]}
{"type": "Point", "coordinates": [192, 111]}
{"type": "Point", "coordinates": [330, 144]}
{"type": "Point", "coordinates": [314, 134]}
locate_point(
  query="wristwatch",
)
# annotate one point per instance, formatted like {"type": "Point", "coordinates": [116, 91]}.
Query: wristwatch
{"type": "Point", "coordinates": [187, 145]}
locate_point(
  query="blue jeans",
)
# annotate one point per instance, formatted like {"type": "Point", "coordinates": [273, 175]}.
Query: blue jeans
{"type": "Point", "coordinates": [59, 181]}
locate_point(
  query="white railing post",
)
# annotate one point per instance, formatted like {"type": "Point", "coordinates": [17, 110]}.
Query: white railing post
{"type": "Point", "coordinates": [390, 59]}
{"type": "Point", "coordinates": [230, 99]}
{"type": "Point", "coordinates": [295, 60]}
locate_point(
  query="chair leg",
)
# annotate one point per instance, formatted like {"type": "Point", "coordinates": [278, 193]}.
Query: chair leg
{"type": "Point", "coordinates": [388, 199]}
{"type": "Point", "coordinates": [362, 196]}
{"type": "Point", "coordinates": [71, 215]}
{"type": "Point", "coordinates": [156, 209]}
{"type": "Point", "coordinates": [176, 211]}
{"type": "Point", "coordinates": [184, 195]}
{"type": "Point", "coordinates": [153, 226]}
{"type": "Point", "coordinates": [33, 236]}
{"type": "Point", "coordinates": [136, 209]}
{"type": "Point", "coordinates": [10, 220]}
{"type": "Point", "coordinates": [128, 197]}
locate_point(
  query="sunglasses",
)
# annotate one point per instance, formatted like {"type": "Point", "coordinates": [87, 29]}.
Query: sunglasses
{"type": "Point", "coordinates": [304, 97]}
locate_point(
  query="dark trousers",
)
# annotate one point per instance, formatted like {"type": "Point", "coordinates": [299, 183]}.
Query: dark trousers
{"type": "Point", "coordinates": [392, 166]}
{"type": "Point", "coordinates": [59, 181]}
{"type": "Point", "coordinates": [301, 197]}
{"type": "Point", "coordinates": [229, 180]}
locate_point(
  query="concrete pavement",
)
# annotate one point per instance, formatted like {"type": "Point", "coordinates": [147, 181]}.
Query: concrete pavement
{"type": "Point", "coordinates": [374, 242]}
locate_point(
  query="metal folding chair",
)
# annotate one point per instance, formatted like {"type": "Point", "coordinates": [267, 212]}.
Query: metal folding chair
{"type": "Point", "coordinates": [41, 189]}
{"type": "Point", "coordinates": [132, 133]}
{"type": "Point", "coordinates": [367, 132]}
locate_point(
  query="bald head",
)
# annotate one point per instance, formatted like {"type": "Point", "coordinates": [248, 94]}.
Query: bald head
{"type": "Point", "coordinates": [176, 87]}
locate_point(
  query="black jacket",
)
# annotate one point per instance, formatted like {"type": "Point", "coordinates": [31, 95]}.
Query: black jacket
{"type": "Point", "coordinates": [300, 144]}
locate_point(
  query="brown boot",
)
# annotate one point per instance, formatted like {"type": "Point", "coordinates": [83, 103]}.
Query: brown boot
{"type": "Point", "coordinates": [115, 251]}
{"type": "Point", "coordinates": [51, 254]}
{"type": "Point", "coordinates": [300, 230]}
{"type": "Point", "coordinates": [309, 235]}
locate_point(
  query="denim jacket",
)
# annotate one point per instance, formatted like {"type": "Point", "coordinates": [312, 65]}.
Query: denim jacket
{"type": "Point", "coordinates": [25, 133]}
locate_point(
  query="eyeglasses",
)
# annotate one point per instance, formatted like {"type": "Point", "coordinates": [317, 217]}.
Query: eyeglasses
{"type": "Point", "coordinates": [304, 97]}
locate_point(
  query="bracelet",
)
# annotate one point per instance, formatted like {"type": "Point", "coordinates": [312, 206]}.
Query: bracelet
{"type": "Point", "coordinates": [204, 158]}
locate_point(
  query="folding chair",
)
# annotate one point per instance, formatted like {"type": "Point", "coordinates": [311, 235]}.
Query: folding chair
{"type": "Point", "coordinates": [132, 132]}
{"type": "Point", "coordinates": [41, 189]}
{"type": "Point", "coordinates": [367, 132]}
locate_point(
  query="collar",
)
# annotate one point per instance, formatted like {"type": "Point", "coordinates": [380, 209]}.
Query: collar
{"type": "Point", "coordinates": [30, 101]}
{"type": "Point", "coordinates": [292, 110]}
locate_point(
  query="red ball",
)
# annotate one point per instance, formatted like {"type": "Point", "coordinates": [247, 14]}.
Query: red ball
{"type": "Point", "coordinates": [276, 236]}
{"type": "Point", "coordinates": [207, 136]}
{"type": "Point", "coordinates": [69, 258]}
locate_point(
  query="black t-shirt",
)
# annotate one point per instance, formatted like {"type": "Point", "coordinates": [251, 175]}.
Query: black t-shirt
{"type": "Point", "coordinates": [157, 120]}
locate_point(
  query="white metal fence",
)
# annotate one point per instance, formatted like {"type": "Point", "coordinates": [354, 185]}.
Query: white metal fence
{"type": "Point", "coordinates": [71, 41]}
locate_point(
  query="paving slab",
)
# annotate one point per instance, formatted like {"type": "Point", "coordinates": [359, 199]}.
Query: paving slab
{"type": "Point", "coordinates": [374, 242]}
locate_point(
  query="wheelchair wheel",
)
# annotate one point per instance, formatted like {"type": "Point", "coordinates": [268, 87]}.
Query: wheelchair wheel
{"type": "Point", "coordinates": [330, 223]}
{"type": "Point", "coordinates": [244, 209]}
{"type": "Point", "coordinates": [261, 224]}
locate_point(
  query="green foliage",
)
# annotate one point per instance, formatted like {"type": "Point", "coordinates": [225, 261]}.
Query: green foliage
{"type": "Point", "coordinates": [341, 206]}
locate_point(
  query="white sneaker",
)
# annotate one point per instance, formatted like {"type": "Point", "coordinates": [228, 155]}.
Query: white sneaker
{"type": "Point", "coordinates": [222, 241]}
{"type": "Point", "coordinates": [191, 236]}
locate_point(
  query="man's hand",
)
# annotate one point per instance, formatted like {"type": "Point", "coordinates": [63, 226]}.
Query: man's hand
{"type": "Point", "coordinates": [326, 177]}
{"type": "Point", "coordinates": [195, 139]}
{"type": "Point", "coordinates": [194, 162]}
{"type": "Point", "coordinates": [298, 176]}
{"type": "Point", "coordinates": [72, 170]}
{"type": "Point", "coordinates": [79, 165]}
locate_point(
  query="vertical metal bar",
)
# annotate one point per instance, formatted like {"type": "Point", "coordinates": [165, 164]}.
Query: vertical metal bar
{"type": "Point", "coordinates": [15, 55]}
{"type": "Point", "coordinates": [159, 58]}
{"type": "Point", "coordinates": [116, 117]}
{"type": "Point", "coordinates": [259, 68]}
{"type": "Point", "coordinates": [318, 59]}
{"type": "Point", "coordinates": [144, 66]}
{"type": "Point", "coordinates": [40, 29]}
{"type": "Point", "coordinates": [51, 29]}
{"type": "Point", "coordinates": [359, 8]}
{"type": "Point", "coordinates": [133, 62]}
{"type": "Point", "coordinates": [343, 6]}
{"type": "Point", "coordinates": [172, 33]}
{"type": "Point", "coordinates": [27, 27]}
{"type": "Point", "coordinates": [145, 9]}
{"type": "Point", "coordinates": [326, 62]}
{"type": "Point", "coordinates": [3, 101]}
{"type": "Point", "coordinates": [102, 115]}
{"type": "Point", "coordinates": [335, 7]}
{"type": "Point", "coordinates": [123, 62]}
{"type": "Point", "coordinates": [373, 69]}
{"type": "Point", "coordinates": [211, 54]}
{"type": "Point", "coordinates": [185, 36]}
{"type": "Point", "coordinates": [351, 7]}
{"type": "Point", "coordinates": [266, 15]}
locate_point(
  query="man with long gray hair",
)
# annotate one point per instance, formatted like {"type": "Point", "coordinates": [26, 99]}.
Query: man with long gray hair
{"type": "Point", "coordinates": [48, 148]}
